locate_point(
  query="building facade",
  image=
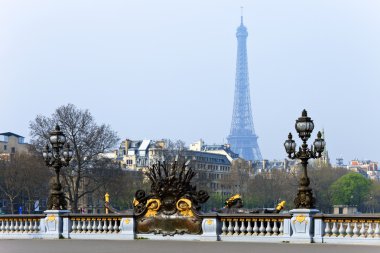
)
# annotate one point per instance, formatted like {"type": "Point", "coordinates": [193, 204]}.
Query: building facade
{"type": "Point", "coordinates": [211, 162]}
{"type": "Point", "coordinates": [10, 144]}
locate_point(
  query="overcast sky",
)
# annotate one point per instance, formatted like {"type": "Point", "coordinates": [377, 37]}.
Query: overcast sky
{"type": "Point", "coordinates": [166, 69]}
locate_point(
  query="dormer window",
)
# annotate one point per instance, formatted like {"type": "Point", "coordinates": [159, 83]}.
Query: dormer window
{"type": "Point", "coordinates": [3, 138]}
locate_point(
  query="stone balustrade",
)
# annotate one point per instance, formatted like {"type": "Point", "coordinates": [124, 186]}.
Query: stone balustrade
{"type": "Point", "coordinates": [324, 228]}
{"type": "Point", "coordinates": [255, 227]}
{"type": "Point", "coordinates": [98, 226]}
{"type": "Point", "coordinates": [95, 225]}
{"type": "Point", "coordinates": [359, 228]}
{"type": "Point", "coordinates": [16, 226]}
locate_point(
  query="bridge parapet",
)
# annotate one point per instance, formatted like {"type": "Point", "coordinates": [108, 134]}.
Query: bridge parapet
{"type": "Point", "coordinates": [99, 226]}
{"type": "Point", "coordinates": [262, 227]}
{"type": "Point", "coordinates": [20, 226]}
{"type": "Point", "coordinates": [358, 228]}
{"type": "Point", "coordinates": [255, 227]}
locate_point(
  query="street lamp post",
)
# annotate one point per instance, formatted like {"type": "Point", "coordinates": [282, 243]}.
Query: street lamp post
{"type": "Point", "coordinates": [304, 127]}
{"type": "Point", "coordinates": [57, 155]}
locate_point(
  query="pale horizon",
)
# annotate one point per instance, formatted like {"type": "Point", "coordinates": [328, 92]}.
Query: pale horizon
{"type": "Point", "coordinates": [154, 70]}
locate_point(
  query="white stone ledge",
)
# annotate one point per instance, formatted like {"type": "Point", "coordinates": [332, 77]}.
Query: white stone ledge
{"type": "Point", "coordinates": [159, 237]}
{"type": "Point", "coordinates": [351, 240]}
{"type": "Point", "coordinates": [21, 236]}
{"type": "Point", "coordinates": [244, 238]}
{"type": "Point", "coordinates": [100, 236]}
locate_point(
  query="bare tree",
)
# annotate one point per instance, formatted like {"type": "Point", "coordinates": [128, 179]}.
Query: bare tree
{"type": "Point", "coordinates": [23, 178]}
{"type": "Point", "coordinates": [123, 188]}
{"type": "Point", "coordinates": [36, 187]}
{"type": "Point", "coordinates": [11, 180]}
{"type": "Point", "coordinates": [88, 140]}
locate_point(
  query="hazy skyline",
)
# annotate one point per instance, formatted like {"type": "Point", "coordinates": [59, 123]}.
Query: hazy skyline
{"type": "Point", "coordinates": [166, 69]}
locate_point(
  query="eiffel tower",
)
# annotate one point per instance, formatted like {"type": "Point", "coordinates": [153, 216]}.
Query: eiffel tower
{"type": "Point", "coordinates": [242, 138]}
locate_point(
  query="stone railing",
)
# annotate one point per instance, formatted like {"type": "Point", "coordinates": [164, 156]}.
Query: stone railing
{"type": "Point", "coordinates": [358, 228]}
{"type": "Point", "coordinates": [98, 226]}
{"type": "Point", "coordinates": [300, 225]}
{"type": "Point", "coordinates": [255, 227]}
{"type": "Point", "coordinates": [16, 226]}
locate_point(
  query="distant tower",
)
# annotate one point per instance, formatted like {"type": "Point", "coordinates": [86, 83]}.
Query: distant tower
{"type": "Point", "coordinates": [339, 162]}
{"type": "Point", "coordinates": [242, 136]}
{"type": "Point", "coordinates": [325, 159]}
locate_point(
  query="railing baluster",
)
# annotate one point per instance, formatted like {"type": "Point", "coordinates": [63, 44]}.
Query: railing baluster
{"type": "Point", "coordinates": [26, 226]}
{"type": "Point", "coordinates": [89, 227]}
{"type": "Point", "coordinates": [348, 229]}
{"type": "Point", "coordinates": [370, 230]}
{"type": "Point", "coordinates": [356, 229]}
{"type": "Point", "coordinates": [327, 229]}
{"type": "Point", "coordinates": [77, 225]}
{"type": "Point", "coordinates": [224, 227]}
{"type": "Point", "coordinates": [100, 226]}
{"type": "Point", "coordinates": [249, 227]}
{"type": "Point", "coordinates": [11, 227]}
{"type": "Point", "coordinates": [275, 228]}
{"type": "Point", "coordinates": [94, 226]}
{"type": "Point", "coordinates": [281, 229]}
{"type": "Point", "coordinates": [334, 229]}
{"type": "Point", "coordinates": [110, 227]}
{"type": "Point", "coordinates": [73, 226]}
{"type": "Point", "coordinates": [262, 228]}
{"type": "Point", "coordinates": [268, 229]}
{"type": "Point", "coordinates": [377, 230]}
{"type": "Point", "coordinates": [242, 228]}
{"type": "Point", "coordinates": [83, 228]}
{"type": "Point", "coordinates": [255, 228]}
{"type": "Point", "coordinates": [230, 228]}
{"type": "Point", "coordinates": [105, 226]}
{"type": "Point", "coordinates": [7, 227]}
{"type": "Point", "coordinates": [31, 225]}
{"type": "Point", "coordinates": [341, 230]}
{"type": "Point", "coordinates": [21, 227]}
{"type": "Point", "coordinates": [2, 228]}
{"type": "Point", "coordinates": [115, 227]}
{"type": "Point", "coordinates": [362, 230]}
{"type": "Point", "coordinates": [236, 228]}
{"type": "Point", "coordinates": [16, 226]}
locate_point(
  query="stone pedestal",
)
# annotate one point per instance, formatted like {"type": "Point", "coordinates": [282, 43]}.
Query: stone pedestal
{"type": "Point", "coordinates": [209, 229]}
{"type": "Point", "coordinates": [52, 226]}
{"type": "Point", "coordinates": [319, 230]}
{"type": "Point", "coordinates": [128, 228]}
{"type": "Point", "coordinates": [302, 224]}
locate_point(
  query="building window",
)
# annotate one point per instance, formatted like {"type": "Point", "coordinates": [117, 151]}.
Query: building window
{"type": "Point", "coordinates": [3, 138]}
{"type": "Point", "coordinates": [13, 150]}
{"type": "Point", "coordinates": [5, 147]}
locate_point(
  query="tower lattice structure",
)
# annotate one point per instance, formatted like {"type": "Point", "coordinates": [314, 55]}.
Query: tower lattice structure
{"type": "Point", "coordinates": [242, 137]}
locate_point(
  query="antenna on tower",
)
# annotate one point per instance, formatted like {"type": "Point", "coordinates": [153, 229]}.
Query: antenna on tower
{"type": "Point", "coordinates": [241, 13]}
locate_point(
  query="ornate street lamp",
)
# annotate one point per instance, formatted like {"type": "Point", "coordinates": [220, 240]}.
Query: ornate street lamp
{"type": "Point", "coordinates": [304, 127]}
{"type": "Point", "coordinates": [57, 156]}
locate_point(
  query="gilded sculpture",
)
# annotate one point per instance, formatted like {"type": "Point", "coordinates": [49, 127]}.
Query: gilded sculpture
{"type": "Point", "coordinates": [173, 205]}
